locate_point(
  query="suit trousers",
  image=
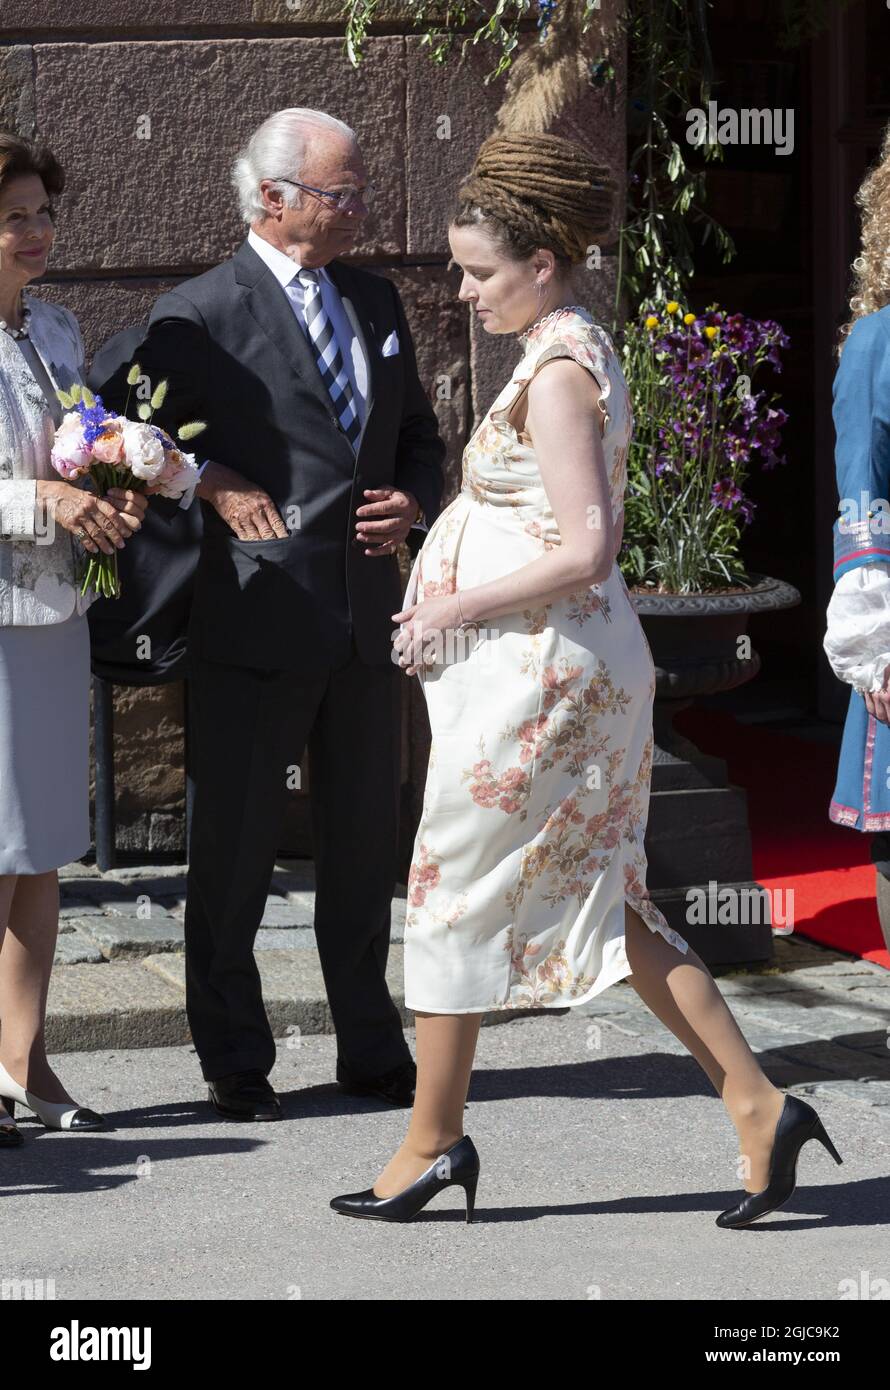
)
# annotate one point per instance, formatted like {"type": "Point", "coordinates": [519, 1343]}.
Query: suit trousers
{"type": "Point", "coordinates": [249, 729]}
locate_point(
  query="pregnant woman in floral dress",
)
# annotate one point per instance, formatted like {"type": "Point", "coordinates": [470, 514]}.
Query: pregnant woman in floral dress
{"type": "Point", "coordinates": [528, 882]}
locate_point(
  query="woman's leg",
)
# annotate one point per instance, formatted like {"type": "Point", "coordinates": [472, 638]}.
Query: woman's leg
{"type": "Point", "coordinates": [681, 991]}
{"type": "Point", "coordinates": [7, 889]}
{"type": "Point", "coordinates": [26, 963]}
{"type": "Point", "coordinates": [446, 1045]}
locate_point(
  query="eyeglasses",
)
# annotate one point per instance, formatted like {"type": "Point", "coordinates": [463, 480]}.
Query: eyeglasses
{"type": "Point", "coordinates": [343, 200]}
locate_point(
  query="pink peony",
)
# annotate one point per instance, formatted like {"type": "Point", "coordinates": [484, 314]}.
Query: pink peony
{"type": "Point", "coordinates": [177, 475]}
{"type": "Point", "coordinates": [70, 454]}
{"type": "Point", "coordinates": [109, 445]}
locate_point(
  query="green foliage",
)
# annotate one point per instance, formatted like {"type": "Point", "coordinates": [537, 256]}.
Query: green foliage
{"type": "Point", "coordinates": [443, 25]}
{"type": "Point", "coordinates": [670, 72]}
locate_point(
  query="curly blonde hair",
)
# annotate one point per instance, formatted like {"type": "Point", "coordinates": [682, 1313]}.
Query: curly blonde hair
{"type": "Point", "coordinates": [871, 268]}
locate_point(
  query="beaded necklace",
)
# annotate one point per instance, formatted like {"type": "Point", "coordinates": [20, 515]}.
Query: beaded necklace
{"type": "Point", "coordinates": [565, 309]}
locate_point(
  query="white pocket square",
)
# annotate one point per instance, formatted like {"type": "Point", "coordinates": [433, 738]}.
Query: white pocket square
{"type": "Point", "coordinates": [391, 346]}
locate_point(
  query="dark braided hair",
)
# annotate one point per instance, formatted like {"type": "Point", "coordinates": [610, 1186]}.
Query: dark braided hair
{"type": "Point", "coordinates": [531, 191]}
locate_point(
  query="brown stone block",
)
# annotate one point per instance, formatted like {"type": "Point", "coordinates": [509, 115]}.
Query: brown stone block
{"type": "Point", "coordinates": [17, 112]}
{"type": "Point", "coordinates": [58, 16]}
{"type": "Point", "coordinates": [166, 201]}
{"type": "Point", "coordinates": [450, 111]}
{"type": "Point", "coordinates": [148, 767]}
{"type": "Point", "coordinates": [330, 12]}
{"type": "Point", "coordinates": [439, 329]}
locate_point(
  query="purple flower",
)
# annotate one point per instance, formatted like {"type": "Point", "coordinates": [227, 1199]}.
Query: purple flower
{"type": "Point", "coordinates": [725, 494]}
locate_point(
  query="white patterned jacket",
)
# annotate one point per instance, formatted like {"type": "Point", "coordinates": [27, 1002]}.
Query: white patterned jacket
{"type": "Point", "coordinates": [37, 558]}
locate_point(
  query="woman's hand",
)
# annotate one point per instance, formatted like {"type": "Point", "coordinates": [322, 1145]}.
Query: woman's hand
{"type": "Point", "coordinates": [878, 702]}
{"type": "Point", "coordinates": [424, 624]}
{"type": "Point", "coordinates": [98, 524]}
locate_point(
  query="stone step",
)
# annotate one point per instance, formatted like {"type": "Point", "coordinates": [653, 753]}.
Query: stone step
{"type": "Point", "coordinates": [140, 1002]}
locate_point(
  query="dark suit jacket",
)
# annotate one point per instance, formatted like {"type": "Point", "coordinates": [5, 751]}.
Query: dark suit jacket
{"type": "Point", "coordinates": [233, 353]}
{"type": "Point", "coordinates": [156, 568]}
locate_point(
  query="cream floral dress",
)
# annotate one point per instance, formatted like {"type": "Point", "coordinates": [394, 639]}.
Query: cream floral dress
{"type": "Point", "coordinates": [537, 791]}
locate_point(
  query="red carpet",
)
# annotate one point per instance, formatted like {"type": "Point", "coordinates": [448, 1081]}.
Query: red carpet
{"type": "Point", "coordinates": [789, 782]}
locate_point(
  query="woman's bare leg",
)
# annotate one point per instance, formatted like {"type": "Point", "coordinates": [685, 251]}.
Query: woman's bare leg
{"type": "Point", "coordinates": [26, 963]}
{"type": "Point", "coordinates": [7, 889]}
{"type": "Point", "coordinates": [446, 1045]}
{"type": "Point", "coordinates": [681, 991]}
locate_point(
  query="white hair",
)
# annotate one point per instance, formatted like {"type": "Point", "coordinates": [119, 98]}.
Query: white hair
{"type": "Point", "coordinates": [277, 150]}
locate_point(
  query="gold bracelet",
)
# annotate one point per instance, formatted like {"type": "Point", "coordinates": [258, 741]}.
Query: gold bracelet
{"type": "Point", "coordinates": [464, 625]}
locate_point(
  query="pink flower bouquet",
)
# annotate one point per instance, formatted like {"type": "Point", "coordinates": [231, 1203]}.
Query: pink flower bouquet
{"type": "Point", "coordinates": [113, 451]}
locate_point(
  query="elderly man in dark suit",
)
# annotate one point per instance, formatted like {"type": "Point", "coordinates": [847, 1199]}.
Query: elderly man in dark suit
{"type": "Point", "coordinates": [321, 456]}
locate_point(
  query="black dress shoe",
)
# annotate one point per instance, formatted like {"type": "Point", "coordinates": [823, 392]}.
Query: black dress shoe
{"type": "Point", "coordinates": [244, 1095]}
{"type": "Point", "coordinates": [459, 1164]}
{"type": "Point", "coordinates": [396, 1086]}
{"type": "Point", "coordinates": [798, 1122]}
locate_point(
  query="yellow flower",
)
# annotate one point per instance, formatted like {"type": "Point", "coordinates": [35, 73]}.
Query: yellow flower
{"type": "Point", "coordinates": [672, 307]}
{"type": "Point", "coordinates": [651, 321]}
{"type": "Point", "coordinates": [689, 318]}
{"type": "Point", "coordinates": [711, 332]}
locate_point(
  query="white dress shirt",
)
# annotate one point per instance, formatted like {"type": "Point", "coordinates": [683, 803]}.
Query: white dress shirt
{"type": "Point", "coordinates": [857, 642]}
{"type": "Point", "coordinates": [285, 269]}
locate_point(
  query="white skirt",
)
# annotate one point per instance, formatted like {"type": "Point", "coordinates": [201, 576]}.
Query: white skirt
{"type": "Point", "coordinates": [44, 745]}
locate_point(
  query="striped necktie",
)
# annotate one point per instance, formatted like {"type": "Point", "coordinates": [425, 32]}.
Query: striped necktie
{"type": "Point", "coordinates": [328, 355]}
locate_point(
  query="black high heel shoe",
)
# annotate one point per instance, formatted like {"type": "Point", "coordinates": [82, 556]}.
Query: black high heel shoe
{"type": "Point", "coordinates": [10, 1134]}
{"type": "Point", "coordinates": [459, 1164]}
{"type": "Point", "coordinates": [798, 1122]}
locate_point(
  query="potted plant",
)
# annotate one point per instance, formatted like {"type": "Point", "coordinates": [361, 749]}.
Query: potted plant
{"type": "Point", "coordinates": [698, 427]}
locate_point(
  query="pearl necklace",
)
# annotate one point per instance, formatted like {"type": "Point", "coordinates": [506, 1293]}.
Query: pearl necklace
{"type": "Point", "coordinates": [18, 332]}
{"type": "Point", "coordinates": [565, 309]}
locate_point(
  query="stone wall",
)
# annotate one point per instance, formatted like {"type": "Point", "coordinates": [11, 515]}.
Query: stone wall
{"type": "Point", "coordinates": [146, 107]}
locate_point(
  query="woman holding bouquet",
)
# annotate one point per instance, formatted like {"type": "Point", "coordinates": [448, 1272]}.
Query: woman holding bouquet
{"type": "Point", "coordinates": [44, 640]}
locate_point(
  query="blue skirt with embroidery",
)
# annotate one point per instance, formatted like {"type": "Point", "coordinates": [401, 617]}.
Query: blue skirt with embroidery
{"type": "Point", "coordinates": [861, 794]}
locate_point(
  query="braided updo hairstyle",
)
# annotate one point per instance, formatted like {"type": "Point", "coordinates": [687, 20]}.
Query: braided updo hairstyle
{"type": "Point", "coordinates": [530, 191]}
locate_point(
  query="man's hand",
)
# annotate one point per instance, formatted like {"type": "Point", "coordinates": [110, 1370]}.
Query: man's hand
{"type": "Point", "coordinates": [243, 506]}
{"type": "Point", "coordinates": [393, 513]}
{"type": "Point", "coordinates": [878, 702]}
